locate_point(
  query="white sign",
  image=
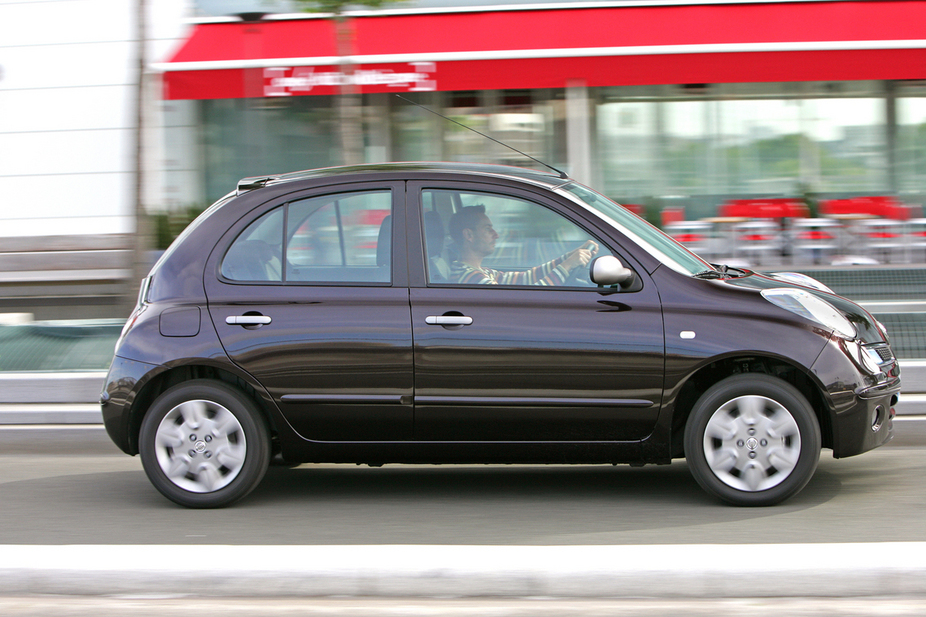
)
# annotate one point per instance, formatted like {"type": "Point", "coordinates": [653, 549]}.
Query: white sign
{"type": "Point", "coordinates": [287, 81]}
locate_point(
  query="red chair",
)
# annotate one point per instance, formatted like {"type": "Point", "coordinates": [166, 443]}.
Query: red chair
{"type": "Point", "coordinates": [916, 234]}
{"type": "Point", "coordinates": [882, 236]}
{"type": "Point", "coordinates": [757, 238]}
{"type": "Point", "coordinates": [672, 215]}
{"type": "Point", "coordinates": [696, 235]}
{"type": "Point", "coordinates": [819, 237]}
{"type": "Point", "coordinates": [635, 208]}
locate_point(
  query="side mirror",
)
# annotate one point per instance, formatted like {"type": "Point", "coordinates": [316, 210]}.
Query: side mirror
{"type": "Point", "coordinates": [608, 270]}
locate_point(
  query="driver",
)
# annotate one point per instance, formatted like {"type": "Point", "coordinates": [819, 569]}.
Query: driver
{"type": "Point", "coordinates": [475, 239]}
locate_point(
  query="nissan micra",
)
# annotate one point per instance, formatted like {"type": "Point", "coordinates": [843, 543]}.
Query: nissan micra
{"type": "Point", "coordinates": [455, 313]}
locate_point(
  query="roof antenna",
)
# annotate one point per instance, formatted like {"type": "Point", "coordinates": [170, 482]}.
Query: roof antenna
{"type": "Point", "coordinates": [562, 174]}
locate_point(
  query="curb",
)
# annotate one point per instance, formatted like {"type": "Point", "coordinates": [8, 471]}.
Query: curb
{"type": "Point", "coordinates": [427, 571]}
{"type": "Point", "coordinates": [78, 387]}
{"type": "Point", "coordinates": [38, 413]}
{"type": "Point", "coordinates": [913, 376]}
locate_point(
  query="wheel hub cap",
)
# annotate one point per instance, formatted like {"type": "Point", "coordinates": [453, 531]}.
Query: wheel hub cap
{"type": "Point", "coordinates": [200, 446]}
{"type": "Point", "coordinates": [752, 443]}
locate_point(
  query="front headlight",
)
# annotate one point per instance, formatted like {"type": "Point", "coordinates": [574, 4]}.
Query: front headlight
{"type": "Point", "coordinates": [871, 359]}
{"type": "Point", "coordinates": [866, 357]}
{"type": "Point", "coordinates": [807, 305]}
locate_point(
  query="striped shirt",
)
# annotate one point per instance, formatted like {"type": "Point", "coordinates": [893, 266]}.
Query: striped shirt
{"type": "Point", "coordinates": [550, 273]}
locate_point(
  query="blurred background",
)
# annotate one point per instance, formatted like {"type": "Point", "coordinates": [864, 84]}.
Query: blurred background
{"type": "Point", "coordinates": [775, 135]}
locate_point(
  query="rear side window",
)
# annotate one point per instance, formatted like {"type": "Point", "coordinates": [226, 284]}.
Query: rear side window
{"type": "Point", "coordinates": [257, 254]}
{"type": "Point", "coordinates": [343, 238]}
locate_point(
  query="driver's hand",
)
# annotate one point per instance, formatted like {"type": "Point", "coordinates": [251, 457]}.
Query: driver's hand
{"type": "Point", "coordinates": [582, 255]}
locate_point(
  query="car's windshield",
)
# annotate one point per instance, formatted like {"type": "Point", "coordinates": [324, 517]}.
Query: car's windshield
{"type": "Point", "coordinates": [648, 237]}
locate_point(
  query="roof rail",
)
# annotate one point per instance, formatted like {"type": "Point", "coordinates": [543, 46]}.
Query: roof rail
{"type": "Point", "coordinates": [255, 182]}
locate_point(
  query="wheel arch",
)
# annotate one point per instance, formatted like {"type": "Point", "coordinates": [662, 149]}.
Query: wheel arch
{"type": "Point", "coordinates": [175, 375]}
{"type": "Point", "coordinates": [699, 381]}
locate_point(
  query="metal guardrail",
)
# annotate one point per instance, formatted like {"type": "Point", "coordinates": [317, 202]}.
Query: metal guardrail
{"type": "Point", "coordinates": [871, 283]}
{"type": "Point", "coordinates": [77, 276]}
{"type": "Point", "coordinates": [907, 332]}
{"type": "Point", "coordinates": [896, 296]}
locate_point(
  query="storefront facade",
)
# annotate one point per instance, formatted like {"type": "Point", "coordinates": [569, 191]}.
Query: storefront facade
{"type": "Point", "coordinates": [655, 103]}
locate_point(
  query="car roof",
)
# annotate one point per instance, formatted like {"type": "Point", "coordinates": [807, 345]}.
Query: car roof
{"type": "Point", "coordinates": [421, 169]}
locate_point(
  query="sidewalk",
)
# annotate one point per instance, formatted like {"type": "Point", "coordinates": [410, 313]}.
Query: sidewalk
{"type": "Point", "coordinates": [424, 571]}
{"type": "Point", "coordinates": [73, 397]}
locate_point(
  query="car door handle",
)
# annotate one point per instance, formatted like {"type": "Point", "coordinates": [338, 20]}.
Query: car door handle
{"type": "Point", "coordinates": [448, 320]}
{"type": "Point", "coordinates": [247, 320]}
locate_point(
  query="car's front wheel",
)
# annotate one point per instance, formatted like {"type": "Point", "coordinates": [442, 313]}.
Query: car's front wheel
{"type": "Point", "coordinates": [203, 444]}
{"type": "Point", "coordinates": [752, 440]}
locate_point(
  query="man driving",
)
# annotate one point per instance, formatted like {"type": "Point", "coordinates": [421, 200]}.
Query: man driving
{"type": "Point", "coordinates": [475, 239]}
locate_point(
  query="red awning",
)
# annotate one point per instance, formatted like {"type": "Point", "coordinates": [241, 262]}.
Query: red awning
{"type": "Point", "coordinates": [547, 48]}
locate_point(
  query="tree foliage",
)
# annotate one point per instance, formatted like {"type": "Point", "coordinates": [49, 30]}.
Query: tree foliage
{"type": "Point", "coordinates": [338, 7]}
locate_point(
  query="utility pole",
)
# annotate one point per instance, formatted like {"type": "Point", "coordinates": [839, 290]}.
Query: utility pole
{"type": "Point", "coordinates": [350, 108]}
{"type": "Point", "coordinates": [142, 238]}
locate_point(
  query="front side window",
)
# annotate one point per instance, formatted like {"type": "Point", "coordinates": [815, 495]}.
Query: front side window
{"type": "Point", "coordinates": [493, 239]}
{"type": "Point", "coordinates": [342, 238]}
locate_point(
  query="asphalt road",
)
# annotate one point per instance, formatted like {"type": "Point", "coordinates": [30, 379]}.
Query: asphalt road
{"type": "Point", "coordinates": [71, 486]}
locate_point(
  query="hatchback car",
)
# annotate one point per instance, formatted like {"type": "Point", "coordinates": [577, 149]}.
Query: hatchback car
{"type": "Point", "coordinates": [452, 313]}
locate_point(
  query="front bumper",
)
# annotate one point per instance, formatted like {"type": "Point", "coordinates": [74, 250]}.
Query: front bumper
{"type": "Point", "coordinates": [869, 424]}
{"type": "Point", "coordinates": [862, 404]}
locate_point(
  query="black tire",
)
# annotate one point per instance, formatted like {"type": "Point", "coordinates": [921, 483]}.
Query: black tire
{"type": "Point", "coordinates": [204, 444]}
{"type": "Point", "coordinates": [752, 440]}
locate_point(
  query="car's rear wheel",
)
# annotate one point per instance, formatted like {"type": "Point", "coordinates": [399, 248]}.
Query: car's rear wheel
{"type": "Point", "coordinates": [203, 444]}
{"type": "Point", "coordinates": [752, 440]}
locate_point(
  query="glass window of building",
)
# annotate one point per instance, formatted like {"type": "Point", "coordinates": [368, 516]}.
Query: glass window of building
{"type": "Point", "coordinates": [700, 144]}
{"type": "Point", "coordinates": [248, 137]}
{"type": "Point", "coordinates": [910, 161]}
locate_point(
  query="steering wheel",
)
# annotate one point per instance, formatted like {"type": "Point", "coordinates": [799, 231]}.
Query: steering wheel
{"type": "Point", "coordinates": [578, 277]}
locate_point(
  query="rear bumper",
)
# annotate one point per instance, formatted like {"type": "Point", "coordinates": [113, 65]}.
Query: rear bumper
{"type": "Point", "coordinates": [119, 390]}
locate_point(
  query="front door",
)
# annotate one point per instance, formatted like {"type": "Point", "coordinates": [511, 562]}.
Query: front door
{"type": "Point", "coordinates": [514, 347]}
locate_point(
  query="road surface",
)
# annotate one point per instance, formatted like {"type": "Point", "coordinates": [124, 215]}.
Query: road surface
{"type": "Point", "coordinates": [71, 486]}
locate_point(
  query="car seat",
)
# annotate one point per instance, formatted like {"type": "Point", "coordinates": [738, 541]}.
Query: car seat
{"type": "Point", "coordinates": [438, 268]}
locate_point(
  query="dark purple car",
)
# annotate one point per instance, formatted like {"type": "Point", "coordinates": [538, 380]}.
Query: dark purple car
{"type": "Point", "coordinates": [452, 313]}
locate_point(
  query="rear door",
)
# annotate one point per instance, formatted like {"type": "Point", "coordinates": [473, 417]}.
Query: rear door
{"type": "Point", "coordinates": [308, 296]}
